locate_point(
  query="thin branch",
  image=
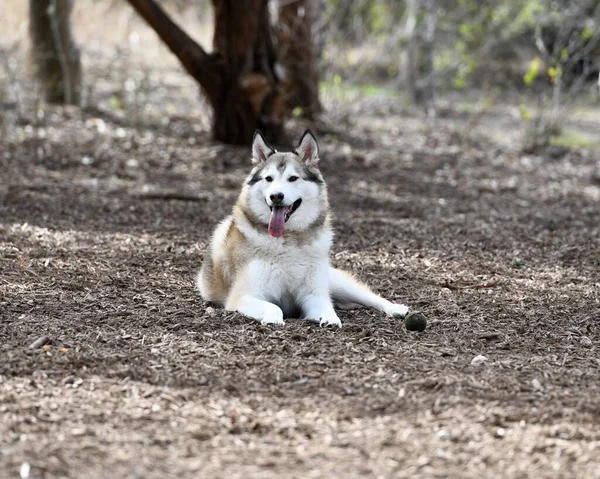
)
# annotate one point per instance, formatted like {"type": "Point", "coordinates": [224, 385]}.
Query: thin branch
{"type": "Point", "coordinates": [192, 56]}
{"type": "Point", "coordinates": [169, 195]}
{"type": "Point", "coordinates": [486, 284]}
{"type": "Point", "coordinates": [539, 43]}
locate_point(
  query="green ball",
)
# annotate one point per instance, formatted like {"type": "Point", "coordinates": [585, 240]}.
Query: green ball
{"type": "Point", "coordinates": [415, 321]}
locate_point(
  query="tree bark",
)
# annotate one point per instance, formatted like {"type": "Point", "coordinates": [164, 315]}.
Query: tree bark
{"type": "Point", "coordinates": [192, 56]}
{"type": "Point", "coordinates": [420, 73]}
{"type": "Point", "coordinates": [55, 55]}
{"type": "Point", "coordinates": [427, 50]}
{"type": "Point", "coordinates": [298, 51]}
{"type": "Point", "coordinates": [239, 77]}
{"type": "Point", "coordinates": [412, 67]}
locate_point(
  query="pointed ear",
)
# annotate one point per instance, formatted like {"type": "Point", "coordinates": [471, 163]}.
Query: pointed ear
{"type": "Point", "coordinates": [261, 150]}
{"type": "Point", "coordinates": [307, 149]}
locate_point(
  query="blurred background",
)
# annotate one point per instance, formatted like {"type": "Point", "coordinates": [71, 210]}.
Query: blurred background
{"type": "Point", "coordinates": [460, 143]}
{"type": "Point", "coordinates": [522, 71]}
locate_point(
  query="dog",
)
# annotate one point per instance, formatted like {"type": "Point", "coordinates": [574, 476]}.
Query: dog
{"type": "Point", "coordinates": [269, 259]}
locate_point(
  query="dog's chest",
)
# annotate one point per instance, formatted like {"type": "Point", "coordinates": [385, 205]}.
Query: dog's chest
{"type": "Point", "coordinates": [287, 271]}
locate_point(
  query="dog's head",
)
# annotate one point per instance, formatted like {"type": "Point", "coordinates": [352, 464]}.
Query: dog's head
{"type": "Point", "coordinates": [285, 190]}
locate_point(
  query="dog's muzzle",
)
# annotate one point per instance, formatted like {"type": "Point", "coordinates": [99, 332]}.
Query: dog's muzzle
{"type": "Point", "coordinates": [280, 214]}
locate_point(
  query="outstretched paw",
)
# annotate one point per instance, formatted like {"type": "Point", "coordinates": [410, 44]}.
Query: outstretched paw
{"type": "Point", "coordinates": [396, 310]}
{"type": "Point", "coordinates": [330, 320]}
{"type": "Point", "coordinates": [273, 315]}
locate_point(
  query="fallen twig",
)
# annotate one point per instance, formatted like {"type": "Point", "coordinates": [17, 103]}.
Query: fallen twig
{"type": "Point", "coordinates": [487, 284]}
{"type": "Point", "coordinates": [169, 195]}
{"type": "Point", "coordinates": [490, 336]}
{"type": "Point", "coordinates": [39, 342]}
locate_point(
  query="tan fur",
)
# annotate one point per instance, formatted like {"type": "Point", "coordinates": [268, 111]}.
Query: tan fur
{"type": "Point", "coordinates": [220, 271]}
{"type": "Point", "coordinates": [267, 276]}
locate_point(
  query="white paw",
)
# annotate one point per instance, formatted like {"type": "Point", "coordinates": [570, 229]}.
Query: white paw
{"type": "Point", "coordinates": [396, 310]}
{"type": "Point", "coordinates": [273, 315]}
{"type": "Point", "coordinates": [330, 319]}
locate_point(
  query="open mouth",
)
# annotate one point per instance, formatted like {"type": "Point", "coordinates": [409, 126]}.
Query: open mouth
{"type": "Point", "coordinates": [279, 217]}
{"type": "Point", "coordinates": [288, 210]}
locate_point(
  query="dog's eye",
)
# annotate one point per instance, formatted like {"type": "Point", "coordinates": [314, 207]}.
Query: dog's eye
{"type": "Point", "coordinates": [269, 178]}
{"type": "Point", "coordinates": [291, 179]}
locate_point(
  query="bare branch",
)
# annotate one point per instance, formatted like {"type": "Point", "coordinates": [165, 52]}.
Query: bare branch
{"type": "Point", "coordinates": [539, 43]}
{"type": "Point", "coordinates": [192, 56]}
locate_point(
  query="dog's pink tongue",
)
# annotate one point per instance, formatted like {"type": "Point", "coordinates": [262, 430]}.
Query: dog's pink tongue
{"type": "Point", "coordinates": [277, 221]}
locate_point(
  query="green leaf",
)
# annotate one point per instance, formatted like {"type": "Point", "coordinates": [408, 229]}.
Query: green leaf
{"type": "Point", "coordinates": [459, 81]}
{"type": "Point", "coordinates": [587, 33]}
{"type": "Point", "coordinates": [564, 54]}
{"type": "Point", "coordinates": [524, 111]}
{"type": "Point", "coordinates": [533, 72]}
{"type": "Point", "coordinates": [115, 102]}
{"type": "Point", "coordinates": [466, 31]}
{"type": "Point", "coordinates": [554, 73]}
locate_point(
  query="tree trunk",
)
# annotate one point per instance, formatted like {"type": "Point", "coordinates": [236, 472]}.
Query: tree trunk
{"type": "Point", "coordinates": [54, 52]}
{"type": "Point", "coordinates": [412, 66]}
{"type": "Point", "coordinates": [298, 51]}
{"type": "Point", "coordinates": [427, 50]}
{"type": "Point", "coordinates": [420, 72]}
{"type": "Point", "coordinates": [239, 78]}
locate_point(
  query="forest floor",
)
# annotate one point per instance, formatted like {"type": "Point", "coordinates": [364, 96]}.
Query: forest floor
{"type": "Point", "coordinates": [104, 216]}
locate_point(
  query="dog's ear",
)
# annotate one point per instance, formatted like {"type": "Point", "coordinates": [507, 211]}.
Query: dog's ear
{"type": "Point", "coordinates": [308, 149]}
{"type": "Point", "coordinates": [261, 150]}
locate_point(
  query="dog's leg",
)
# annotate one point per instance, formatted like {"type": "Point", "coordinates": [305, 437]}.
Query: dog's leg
{"type": "Point", "coordinates": [320, 308]}
{"type": "Point", "coordinates": [314, 298]}
{"type": "Point", "coordinates": [345, 289]}
{"type": "Point", "coordinates": [263, 311]}
{"type": "Point", "coordinates": [247, 297]}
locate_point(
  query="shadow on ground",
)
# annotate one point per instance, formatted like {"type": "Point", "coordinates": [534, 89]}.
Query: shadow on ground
{"type": "Point", "coordinates": [102, 228]}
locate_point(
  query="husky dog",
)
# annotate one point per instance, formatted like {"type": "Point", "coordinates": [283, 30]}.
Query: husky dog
{"type": "Point", "coordinates": [270, 258]}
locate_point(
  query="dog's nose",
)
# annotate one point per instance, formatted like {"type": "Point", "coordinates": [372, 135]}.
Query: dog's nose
{"type": "Point", "coordinates": [276, 198]}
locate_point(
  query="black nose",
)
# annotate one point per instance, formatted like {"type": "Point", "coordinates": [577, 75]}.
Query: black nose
{"type": "Point", "coordinates": [276, 198]}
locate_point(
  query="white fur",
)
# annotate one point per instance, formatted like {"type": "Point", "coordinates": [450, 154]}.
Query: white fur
{"type": "Point", "coordinates": [349, 292]}
{"type": "Point", "coordinates": [260, 148]}
{"type": "Point", "coordinates": [308, 149]}
{"type": "Point", "coordinates": [270, 278]}
{"type": "Point", "coordinates": [260, 201]}
{"type": "Point", "coordinates": [287, 274]}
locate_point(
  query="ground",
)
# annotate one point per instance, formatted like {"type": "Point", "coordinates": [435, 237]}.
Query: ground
{"type": "Point", "coordinates": [104, 217]}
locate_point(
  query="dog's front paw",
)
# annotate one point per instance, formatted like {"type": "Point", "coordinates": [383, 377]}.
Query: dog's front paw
{"type": "Point", "coordinates": [330, 319]}
{"type": "Point", "coordinates": [396, 310]}
{"type": "Point", "coordinates": [273, 315]}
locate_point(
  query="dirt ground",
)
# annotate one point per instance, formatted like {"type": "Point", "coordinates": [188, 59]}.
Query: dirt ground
{"type": "Point", "coordinates": [104, 216]}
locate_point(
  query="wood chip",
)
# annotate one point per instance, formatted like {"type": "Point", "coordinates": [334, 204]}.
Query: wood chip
{"type": "Point", "coordinates": [39, 342]}
{"type": "Point", "coordinates": [488, 284]}
{"type": "Point", "coordinates": [489, 336]}
{"type": "Point", "coordinates": [169, 195]}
